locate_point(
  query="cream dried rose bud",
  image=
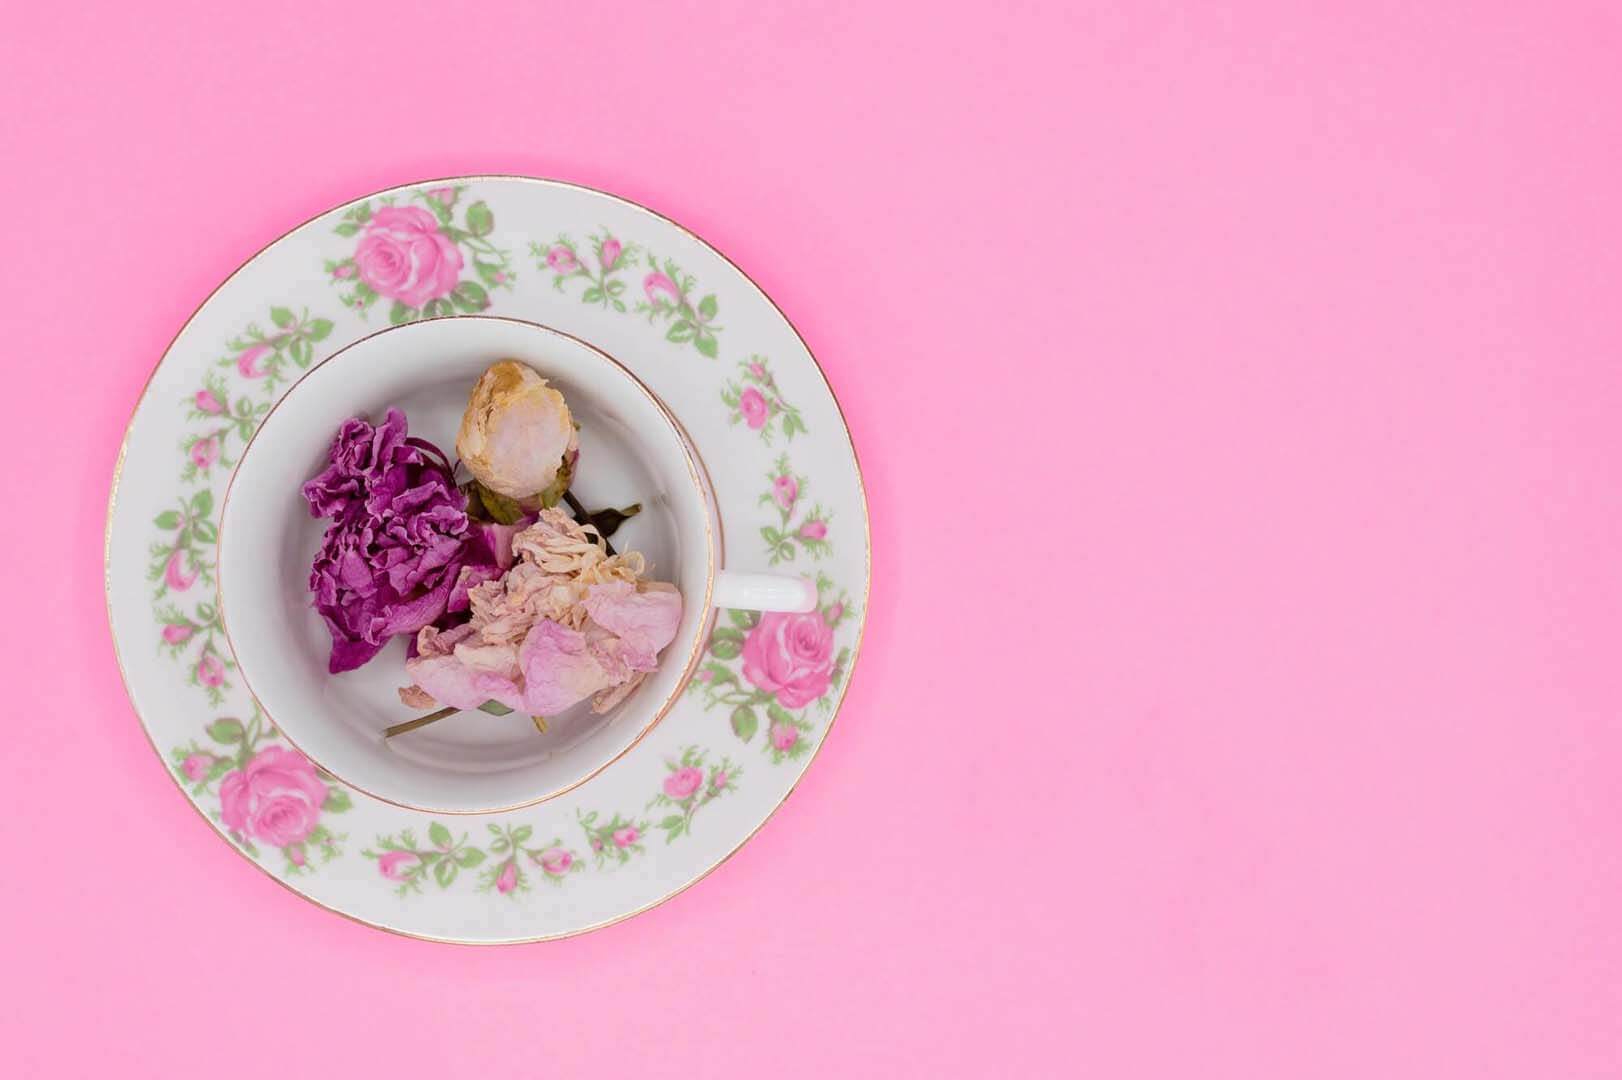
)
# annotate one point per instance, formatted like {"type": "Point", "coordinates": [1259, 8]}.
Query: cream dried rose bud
{"type": "Point", "coordinates": [517, 436]}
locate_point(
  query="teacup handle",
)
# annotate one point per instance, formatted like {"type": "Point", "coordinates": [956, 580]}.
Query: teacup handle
{"type": "Point", "coordinates": [764, 592]}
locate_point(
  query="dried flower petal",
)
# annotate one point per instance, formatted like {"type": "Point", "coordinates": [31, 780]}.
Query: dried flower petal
{"type": "Point", "coordinates": [517, 434]}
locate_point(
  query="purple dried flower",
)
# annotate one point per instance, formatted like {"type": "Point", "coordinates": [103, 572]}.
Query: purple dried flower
{"type": "Point", "coordinates": [396, 545]}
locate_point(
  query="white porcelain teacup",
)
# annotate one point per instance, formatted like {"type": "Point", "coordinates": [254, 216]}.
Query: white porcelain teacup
{"type": "Point", "coordinates": [632, 451]}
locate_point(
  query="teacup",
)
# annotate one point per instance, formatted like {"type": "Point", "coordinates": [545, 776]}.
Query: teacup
{"type": "Point", "coordinates": [632, 450]}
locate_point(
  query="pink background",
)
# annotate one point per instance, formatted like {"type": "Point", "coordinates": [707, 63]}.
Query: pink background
{"type": "Point", "coordinates": [1239, 400]}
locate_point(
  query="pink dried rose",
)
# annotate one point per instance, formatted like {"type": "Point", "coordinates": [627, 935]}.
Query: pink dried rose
{"type": "Point", "coordinates": [752, 404]}
{"type": "Point", "coordinates": [248, 361]}
{"type": "Point", "coordinates": [177, 633]}
{"type": "Point", "coordinates": [556, 861]}
{"type": "Point", "coordinates": [508, 880]}
{"type": "Point", "coordinates": [784, 736]}
{"type": "Point", "coordinates": [611, 253]}
{"type": "Point", "coordinates": [405, 257]}
{"type": "Point", "coordinates": [814, 530]}
{"type": "Point", "coordinates": [395, 865]}
{"type": "Point", "coordinates": [196, 766]}
{"type": "Point", "coordinates": [562, 260]}
{"type": "Point", "coordinates": [791, 656]}
{"type": "Point", "coordinates": [208, 403]}
{"type": "Point", "coordinates": [276, 798]}
{"type": "Point", "coordinates": [785, 489]}
{"type": "Point", "coordinates": [626, 837]}
{"type": "Point", "coordinates": [681, 783]}
{"type": "Point", "coordinates": [210, 672]}
{"type": "Point", "coordinates": [205, 452]}
{"type": "Point", "coordinates": [517, 437]}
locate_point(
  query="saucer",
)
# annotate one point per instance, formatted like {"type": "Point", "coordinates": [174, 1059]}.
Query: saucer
{"type": "Point", "coordinates": [788, 491]}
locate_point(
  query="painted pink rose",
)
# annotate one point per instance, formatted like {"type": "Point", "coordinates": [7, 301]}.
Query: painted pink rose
{"type": "Point", "coordinates": [295, 854]}
{"type": "Point", "coordinates": [835, 613]}
{"type": "Point", "coordinates": [784, 736]}
{"type": "Point", "coordinates": [562, 260]}
{"type": "Point", "coordinates": [706, 675]}
{"type": "Point", "coordinates": [752, 404]}
{"type": "Point", "coordinates": [498, 277]}
{"type": "Point", "coordinates": [508, 881]}
{"type": "Point", "coordinates": [405, 257]}
{"type": "Point", "coordinates": [248, 361]}
{"type": "Point", "coordinates": [210, 672]}
{"type": "Point", "coordinates": [442, 195]}
{"type": "Point", "coordinates": [626, 837]}
{"type": "Point", "coordinates": [196, 766]}
{"type": "Point", "coordinates": [344, 270]}
{"type": "Point", "coordinates": [790, 656]}
{"type": "Point", "coordinates": [175, 575]}
{"type": "Point", "coordinates": [757, 369]}
{"type": "Point", "coordinates": [814, 530]}
{"type": "Point", "coordinates": [658, 286]}
{"type": "Point", "coordinates": [395, 865]}
{"type": "Point", "coordinates": [719, 780]}
{"type": "Point", "coordinates": [276, 798]}
{"type": "Point", "coordinates": [786, 489]}
{"type": "Point", "coordinates": [205, 452]}
{"type": "Point", "coordinates": [556, 861]}
{"type": "Point", "coordinates": [683, 782]}
{"type": "Point", "coordinates": [611, 253]}
{"type": "Point", "coordinates": [596, 844]}
{"type": "Point", "coordinates": [208, 403]}
{"type": "Point", "coordinates": [176, 633]}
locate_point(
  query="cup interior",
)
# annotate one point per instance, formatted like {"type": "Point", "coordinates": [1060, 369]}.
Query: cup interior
{"type": "Point", "coordinates": [631, 450]}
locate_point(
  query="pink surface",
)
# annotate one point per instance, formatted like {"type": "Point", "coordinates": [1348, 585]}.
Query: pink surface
{"type": "Point", "coordinates": [1239, 399]}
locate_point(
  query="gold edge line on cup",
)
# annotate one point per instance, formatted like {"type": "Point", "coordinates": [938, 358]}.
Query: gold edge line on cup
{"type": "Point", "coordinates": [664, 707]}
{"type": "Point", "coordinates": [861, 488]}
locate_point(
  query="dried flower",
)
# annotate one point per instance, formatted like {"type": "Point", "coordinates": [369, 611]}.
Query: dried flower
{"type": "Point", "coordinates": [517, 438]}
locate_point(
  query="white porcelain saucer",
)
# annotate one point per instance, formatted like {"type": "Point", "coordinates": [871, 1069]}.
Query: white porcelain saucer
{"type": "Point", "coordinates": [751, 397]}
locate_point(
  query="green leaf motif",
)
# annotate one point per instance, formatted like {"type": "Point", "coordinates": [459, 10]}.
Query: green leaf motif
{"type": "Point", "coordinates": [445, 872]}
{"type": "Point", "coordinates": [591, 296]}
{"type": "Point", "coordinates": [347, 228]}
{"type": "Point", "coordinates": [318, 329]}
{"type": "Point", "coordinates": [468, 858]}
{"type": "Point", "coordinates": [282, 317]}
{"type": "Point", "coordinates": [338, 800]}
{"type": "Point", "coordinates": [745, 620]}
{"type": "Point", "coordinates": [744, 722]}
{"type": "Point", "coordinates": [725, 650]}
{"type": "Point", "coordinates": [707, 307]}
{"type": "Point", "coordinates": [470, 296]}
{"type": "Point", "coordinates": [169, 519]}
{"type": "Point", "coordinates": [705, 343]}
{"type": "Point", "coordinates": [202, 503]}
{"type": "Point", "coordinates": [671, 822]}
{"type": "Point", "coordinates": [399, 313]}
{"type": "Point", "coordinates": [522, 833]}
{"type": "Point", "coordinates": [439, 836]}
{"type": "Point", "coordinates": [205, 531]}
{"type": "Point", "coordinates": [226, 731]}
{"type": "Point", "coordinates": [779, 714]}
{"type": "Point", "coordinates": [679, 331]}
{"type": "Point", "coordinates": [479, 219]}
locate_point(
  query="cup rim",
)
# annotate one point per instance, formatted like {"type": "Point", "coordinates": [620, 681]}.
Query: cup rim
{"type": "Point", "coordinates": [714, 545]}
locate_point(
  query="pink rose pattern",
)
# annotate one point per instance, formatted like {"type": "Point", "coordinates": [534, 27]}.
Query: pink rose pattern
{"type": "Point", "coordinates": [798, 527]}
{"type": "Point", "coordinates": [426, 262]}
{"type": "Point", "coordinates": [755, 400]}
{"type": "Point", "coordinates": [425, 258]}
{"type": "Point", "coordinates": [269, 795]}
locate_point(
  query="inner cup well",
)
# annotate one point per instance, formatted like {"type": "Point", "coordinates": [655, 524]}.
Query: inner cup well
{"type": "Point", "coordinates": [472, 762]}
{"type": "Point", "coordinates": [612, 473]}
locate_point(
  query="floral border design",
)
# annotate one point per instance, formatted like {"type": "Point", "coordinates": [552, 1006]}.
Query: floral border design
{"type": "Point", "coordinates": [509, 861]}
{"type": "Point", "coordinates": [267, 790]}
{"type": "Point", "coordinates": [419, 254]}
{"type": "Point", "coordinates": [223, 420]}
{"type": "Point", "coordinates": [668, 290]}
{"type": "Point", "coordinates": [756, 401]}
{"type": "Point", "coordinates": [796, 526]}
{"type": "Point", "coordinates": [780, 665]}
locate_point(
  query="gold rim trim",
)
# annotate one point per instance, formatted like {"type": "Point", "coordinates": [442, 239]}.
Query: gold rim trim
{"type": "Point", "coordinates": [861, 490]}
{"type": "Point", "coordinates": [697, 475]}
